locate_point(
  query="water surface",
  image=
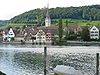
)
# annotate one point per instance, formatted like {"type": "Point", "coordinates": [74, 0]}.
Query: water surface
{"type": "Point", "coordinates": [28, 59]}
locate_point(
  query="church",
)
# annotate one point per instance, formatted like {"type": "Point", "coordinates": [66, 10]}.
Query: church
{"type": "Point", "coordinates": [47, 19]}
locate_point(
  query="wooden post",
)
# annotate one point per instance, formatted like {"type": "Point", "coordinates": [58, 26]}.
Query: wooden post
{"type": "Point", "coordinates": [97, 63]}
{"type": "Point", "coordinates": [45, 56]}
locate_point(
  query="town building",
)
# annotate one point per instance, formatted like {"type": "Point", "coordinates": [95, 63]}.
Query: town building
{"type": "Point", "coordinates": [74, 28]}
{"type": "Point", "coordinates": [40, 37]}
{"type": "Point", "coordinates": [49, 33]}
{"type": "Point", "coordinates": [47, 19]}
{"type": "Point", "coordinates": [8, 35]}
{"type": "Point", "coordinates": [1, 38]}
{"type": "Point", "coordinates": [94, 33]}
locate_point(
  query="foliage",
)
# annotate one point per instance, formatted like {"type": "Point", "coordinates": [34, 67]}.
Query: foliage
{"type": "Point", "coordinates": [3, 22]}
{"type": "Point", "coordinates": [72, 36]}
{"type": "Point", "coordinates": [60, 31]}
{"type": "Point", "coordinates": [37, 16]}
{"type": "Point", "coordinates": [12, 38]}
{"type": "Point", "coordinates": [66, 23]}
{"type": "Point", "coordinates": [66, 30]}
{"type": "Point", "coordinates": [85, 34]}
{"type": "Point", "coordinates": [66, 35]}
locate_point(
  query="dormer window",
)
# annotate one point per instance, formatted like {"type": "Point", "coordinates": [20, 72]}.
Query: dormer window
{"type": "Point", "coordinates": [94, 29]}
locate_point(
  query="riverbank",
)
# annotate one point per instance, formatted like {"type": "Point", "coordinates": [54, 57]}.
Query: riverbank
{"type": "Point", "coordinates": [68, 43]}
{"type": "Point", "coordinates": [82, 43]}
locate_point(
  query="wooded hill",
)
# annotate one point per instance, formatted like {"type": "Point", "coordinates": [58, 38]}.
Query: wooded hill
{"type": "Point", "coordinates": [38, 15]}
{"type": "Point", "coordinates": [3, 22]}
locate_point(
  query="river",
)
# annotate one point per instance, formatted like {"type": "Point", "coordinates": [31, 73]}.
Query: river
{"type": "Point", "coordinates": [28, 59]}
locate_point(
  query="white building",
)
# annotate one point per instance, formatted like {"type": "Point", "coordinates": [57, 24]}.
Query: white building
{"type": "Point", "coordinates": [47, 19]}
{"type": "Point", "coordinates": [94, 33]}
{"type": "Point", "coordinates": [10, 34]}
{"type": "Point", "coordinates": [4, 36]}
{"type": "Point", "coordinates": [40, 37]}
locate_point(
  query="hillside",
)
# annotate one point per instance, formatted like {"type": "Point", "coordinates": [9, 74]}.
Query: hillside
{"type": "Point", "coordinates": [3, 22]}
{"type": "Point", "coordinates": [37, 16]}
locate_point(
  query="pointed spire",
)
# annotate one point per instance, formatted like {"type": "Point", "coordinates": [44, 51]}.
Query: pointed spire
{"type": "Point", "coordinates": [47, 19]}
{"type": "Point", "coordinates": [47, 14]}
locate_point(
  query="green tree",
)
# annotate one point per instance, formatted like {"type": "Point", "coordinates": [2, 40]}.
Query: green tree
{"type": "Point", "coordinates": [66, 30]}
{"type": "Point", "coordinates": [84, 12]}
{"type": "Point", "coordinates": [85, 34]}
{"type": "Point", "coordinates": [60, 31]}
{"type": "Point", "coordinates": [66, 23]}
{"type": "Point", "coordinates": [72, 36]}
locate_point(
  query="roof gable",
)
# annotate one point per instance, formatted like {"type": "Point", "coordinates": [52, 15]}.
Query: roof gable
{"type": "Point", "coordinates": [94, 28]}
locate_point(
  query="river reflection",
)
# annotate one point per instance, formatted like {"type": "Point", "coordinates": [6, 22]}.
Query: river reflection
{"type": "Point", "coordinates": [28, 60]}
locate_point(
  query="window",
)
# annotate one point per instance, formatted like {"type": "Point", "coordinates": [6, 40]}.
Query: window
{"type": "Point", "coordinates": [92, 35]}
{"type": "Point", "coordinates": [96, 32]}
{"type": "Point", "coordinates": [94, 29]}
{"type": "Point", "coordinates": [92, 32]}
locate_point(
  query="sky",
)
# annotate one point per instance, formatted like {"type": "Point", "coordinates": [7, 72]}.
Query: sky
{"type": "Point", "coordinates": [11, 8]}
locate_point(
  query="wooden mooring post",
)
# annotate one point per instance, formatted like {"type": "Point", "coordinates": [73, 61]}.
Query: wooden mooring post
{"type": "Point", "coordinates": [45, 57]}
{"type": "Point", "coordinates": [97, 63]}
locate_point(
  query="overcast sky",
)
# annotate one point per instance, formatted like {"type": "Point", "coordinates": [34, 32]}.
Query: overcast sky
{"type": "Point", "coordinates": [11, 8]}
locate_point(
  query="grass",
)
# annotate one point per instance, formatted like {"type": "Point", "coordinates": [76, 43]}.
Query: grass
{"type": "Point", "coordinates": [17, 25]}
{"type": "Point", "coordinates": [14, 25]}
{"type": "Point", "coordinates": [84, 22]}
{"type": "Point", "coordinates": [55, 22]}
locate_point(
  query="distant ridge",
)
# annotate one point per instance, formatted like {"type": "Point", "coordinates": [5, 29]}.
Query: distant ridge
{"type": "Point", "coordinates": [38, 15]}
{"type": "Point", "coordinates": [3, 22]}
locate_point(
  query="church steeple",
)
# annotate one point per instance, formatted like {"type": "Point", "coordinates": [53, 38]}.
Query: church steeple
{"type": "Point", "coordinates": [47, 19]}
{"type": "Point", "coordinates": [47, 14]}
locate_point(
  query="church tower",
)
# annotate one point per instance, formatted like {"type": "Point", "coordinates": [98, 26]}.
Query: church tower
{"type": "Point", "coordinates": [47, 19]}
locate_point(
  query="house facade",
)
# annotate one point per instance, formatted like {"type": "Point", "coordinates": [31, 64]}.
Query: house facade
{"type": "Point", "coordinates": [44, 35]}
{"type": "Point", "coordinates": [94, 33]}
{"type": "Point", "coordinates": [49, 38]}
{"type": "Point", "coordinates": [74, 28]}
{"type": "Point", "coordinates": [9, 35]}
{"type": "Point", "coordinates": [40, 37]}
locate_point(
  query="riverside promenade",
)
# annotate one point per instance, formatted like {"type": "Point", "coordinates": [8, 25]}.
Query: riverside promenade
{"type": "Point", "coordinates": [83, 43]}
{"type": "Point", "coordinates": [68, 43]}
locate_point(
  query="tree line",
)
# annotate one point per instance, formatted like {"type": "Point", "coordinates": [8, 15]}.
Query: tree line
{"type": "Point", "coordinates": [37, 16]}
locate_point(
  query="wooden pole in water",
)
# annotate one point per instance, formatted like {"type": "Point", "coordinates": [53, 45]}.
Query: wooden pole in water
{"type": "Point", "coordinates": [45, 55]}
{"type": "Point", "coordinates": [97, 63]}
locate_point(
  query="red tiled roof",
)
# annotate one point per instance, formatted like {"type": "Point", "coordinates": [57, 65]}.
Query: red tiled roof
{"type": "Point", "coordinates": [74, 28]}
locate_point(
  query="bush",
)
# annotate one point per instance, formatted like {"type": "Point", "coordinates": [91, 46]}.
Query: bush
{"type": "Point", "coordinates": [72, 37]}
{"type": "Point", "coordinates": [12, 38]}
